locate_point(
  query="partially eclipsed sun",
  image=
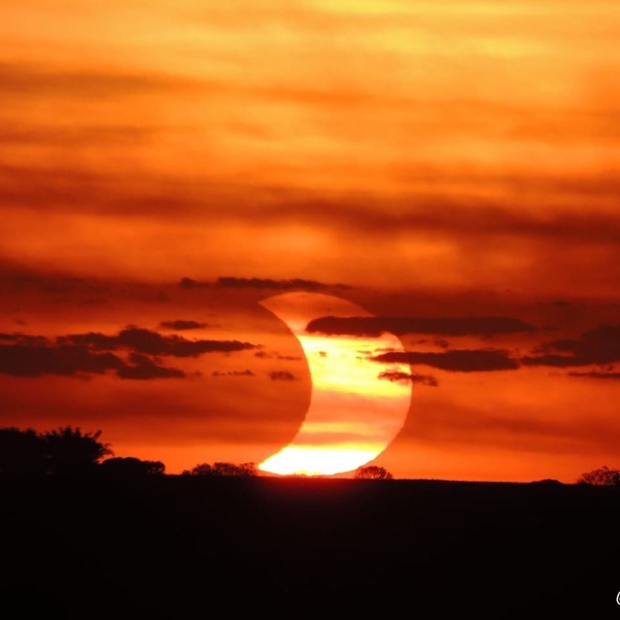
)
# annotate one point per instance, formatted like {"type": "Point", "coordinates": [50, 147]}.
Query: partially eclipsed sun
{"type": "Point", "coordinates": [353, 415]}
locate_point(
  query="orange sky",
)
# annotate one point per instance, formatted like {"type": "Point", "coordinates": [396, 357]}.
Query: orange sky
{"type": "Point", "coordinates": [446, 160]}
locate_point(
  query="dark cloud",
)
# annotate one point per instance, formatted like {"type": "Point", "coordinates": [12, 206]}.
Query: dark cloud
{"type": "Point", "coordinates": [190, 283]}
{"type": "Point", "coordinates": [143, 368]}
{"type": "Point", "coordinates": [597, 375]}
{"type": "Point", "coordinates": [374, 327]}
{"type": "Point", "coordinates": [66, 360]}
{"type": "Point", "coordinates": [95, 340]}
{"type": "Point", "coordinates": [276, 355]}
{"type": "Point", "coordinates": [234, 373]}
{"type": "Point", "coordinates": [477, 360]}
{"type": "Point", "coordinates": [396, 376]}
{"type": "Point", "coordinates": [24, 339]}
{"type": "Point", "coordinates": [279, 285]}
{"type": "Point", "coordinates": [598, 346]}
{"type": "Point", "coordinates": [152, 343]}
{"type": "Point", "coordinates": [26, 355]}
{"type": "Point", "coordinates": [282, 375]}
{"type": "Point", "coordinates": [182, 325]}
{"type": "Point", "coordinates": [19, 360]}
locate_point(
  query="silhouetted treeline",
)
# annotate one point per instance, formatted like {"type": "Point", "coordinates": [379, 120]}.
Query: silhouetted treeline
{"type": "Point", "coordinates": [243, 470]}
{"type": "Point", "coordinates": [131, 467]}
{"type": "Point", "coordinates": [65, 451]}
{"type": "Point", "coordinates": [68, 451]}
{"type": "Point", "coordinates": [603, 476]}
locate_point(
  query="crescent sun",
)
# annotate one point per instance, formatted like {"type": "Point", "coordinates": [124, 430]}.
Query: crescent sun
{"type": "Point", "coordinates": [353, 414]}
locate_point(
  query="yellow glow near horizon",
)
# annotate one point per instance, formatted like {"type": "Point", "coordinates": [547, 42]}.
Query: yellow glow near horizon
{"type": "Point", "coordinates": [318, 460]}
{"type": "Point", "coordinates": [353, 415]}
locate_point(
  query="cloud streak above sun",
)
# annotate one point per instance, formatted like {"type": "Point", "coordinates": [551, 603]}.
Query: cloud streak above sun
{"type": "Point", "coordinates": [399, 326]}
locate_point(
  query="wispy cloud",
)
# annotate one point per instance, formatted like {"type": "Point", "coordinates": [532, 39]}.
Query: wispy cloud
{"type": "Point", "coordinates": [481, 360]}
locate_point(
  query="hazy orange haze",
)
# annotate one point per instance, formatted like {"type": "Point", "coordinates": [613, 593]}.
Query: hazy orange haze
{"type": "Point", "coordinates": [436, 161]}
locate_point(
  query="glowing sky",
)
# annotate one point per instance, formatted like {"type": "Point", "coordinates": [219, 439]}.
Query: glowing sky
{"type": "Point", "coordinates": [181, 160]}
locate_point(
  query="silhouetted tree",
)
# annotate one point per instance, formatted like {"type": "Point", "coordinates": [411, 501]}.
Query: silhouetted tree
{"type": "Point", "coordinates": [372, 472]}
{"type": "Point", "coordinates": [223, 469]}
{"type": "Point", "coordinates": [601, 477]}
{"type": "Point", "coordinates": [22, 453]}
{"type": "Point", "coordinates": [131, 467]}
{"type": "Point", "coordinates": [204, 469]}
{"type": "Point", "coordinates": [69, 451]}
{"type": "Point", "coordinates": [154, 468]}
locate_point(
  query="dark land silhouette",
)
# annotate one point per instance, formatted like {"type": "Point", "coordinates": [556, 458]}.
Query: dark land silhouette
{"type": "Point", "coordinates": [135, 543]}
{"type": "Point", "coordinates": [60, 452]}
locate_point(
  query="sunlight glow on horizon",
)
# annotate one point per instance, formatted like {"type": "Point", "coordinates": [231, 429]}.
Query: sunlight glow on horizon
{"type": "Point", "coordinates": [318, 460]}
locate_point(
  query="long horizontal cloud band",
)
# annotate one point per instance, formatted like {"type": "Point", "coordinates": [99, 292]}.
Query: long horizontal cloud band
{"type": "Point", "coordinates": [230, 282]}
{"type": "Point", "coordinates": [153, 343]}
{"type": "Point", "coordinates": [376, 326]}
{"type": "Point", "coordinates": [597, 347]}
{"type": "Point", "coordinates": [26, 355]}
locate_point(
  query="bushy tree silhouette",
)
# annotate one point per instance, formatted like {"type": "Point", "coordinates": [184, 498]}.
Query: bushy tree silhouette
{"type": "Point", "coordinates": [372, 472]}
{"type": "Point", "coordinates": [131, 467]}
{"type": "Point", "coordinates": [154, 468]}
{"type": "Point", "coordinates": [65, 451]}
{"type": "Point", "coordinates": [68, 451]}
{"type": "Point", "coordinates": [21, 453]}
{"type": "Point", "coordinates": [223, 469]}
{"type": "Point", "coordinates": [603, 476]}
